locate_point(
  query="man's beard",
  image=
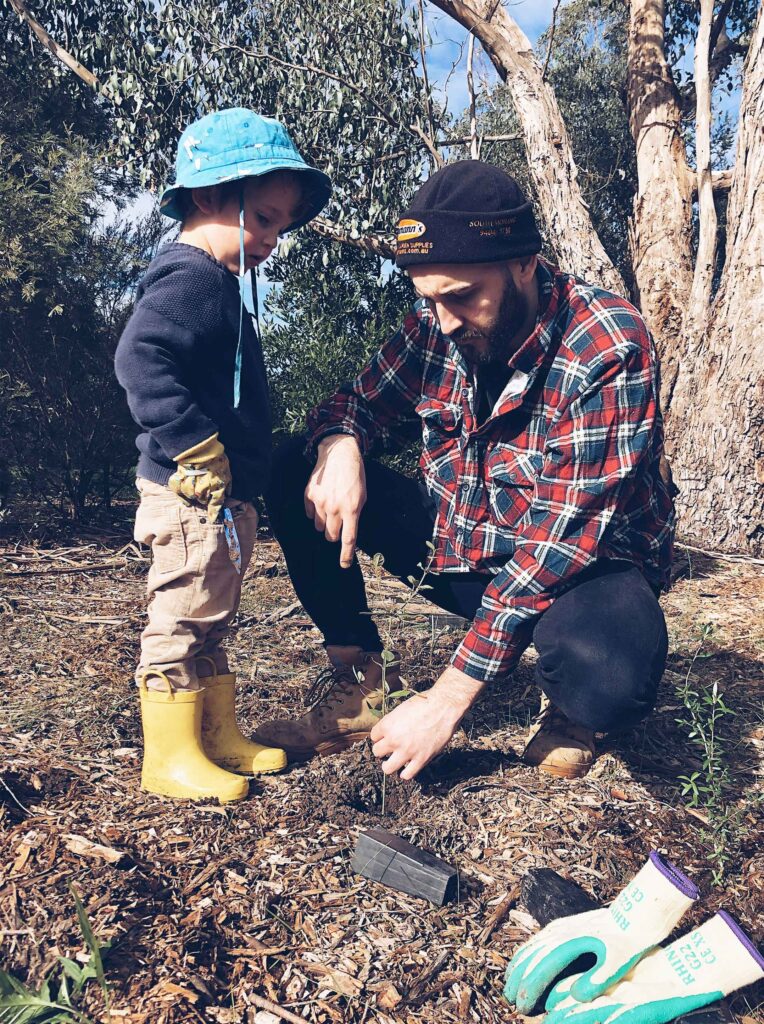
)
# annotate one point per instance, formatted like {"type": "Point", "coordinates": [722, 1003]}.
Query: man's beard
{"type": "Point", "coordinates": [499, 333]}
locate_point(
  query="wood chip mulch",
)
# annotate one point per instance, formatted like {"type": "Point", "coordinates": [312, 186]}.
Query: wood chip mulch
{"type": "Point", "coordinates": [232, 914]}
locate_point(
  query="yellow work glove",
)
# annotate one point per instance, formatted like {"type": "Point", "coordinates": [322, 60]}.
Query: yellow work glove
{"type": "Point", "coordinates": [203, 476]}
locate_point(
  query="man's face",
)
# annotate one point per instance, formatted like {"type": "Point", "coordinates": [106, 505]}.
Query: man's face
{"type": "Point", "coordinates": [479, 306]}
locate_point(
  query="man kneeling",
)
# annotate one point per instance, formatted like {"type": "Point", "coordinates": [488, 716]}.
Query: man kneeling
{"type": "Point", "coordinates": [537, 396]}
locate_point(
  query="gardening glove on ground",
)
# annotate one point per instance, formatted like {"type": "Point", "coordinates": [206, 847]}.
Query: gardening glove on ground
{"type": "Point", "coordinates": [644, 913]}
{"type": "Point", "coordinates": [696, 970]}
{"type": "Point", "coordinates": [203, 476]}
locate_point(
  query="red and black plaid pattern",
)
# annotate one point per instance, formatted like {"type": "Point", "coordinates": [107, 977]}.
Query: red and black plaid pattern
{"type": "Point", "coordinates": [565, 471]}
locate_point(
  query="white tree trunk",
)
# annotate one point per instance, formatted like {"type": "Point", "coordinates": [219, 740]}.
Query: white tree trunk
{"type": "Point", "coordinates": [550, 158]}
{"type": "Point", "coordinates": [705, 260]}
{"type": "Point", "coordinates": [661, 238]}
{"type": "Point", "coordinates": [717, 416]}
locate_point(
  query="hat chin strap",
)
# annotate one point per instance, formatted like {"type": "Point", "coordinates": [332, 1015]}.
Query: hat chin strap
{"type": "Point", "coordinates": [237, 370]}
{"type": "Point", "coordinates": [255, 307]}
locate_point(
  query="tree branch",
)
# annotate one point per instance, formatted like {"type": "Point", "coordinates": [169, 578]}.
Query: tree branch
{"type": "Point", "coordinates": [467, 139]}
{"type": "Point", "coordinates": [552, 28]}
{"type": "Point", "coordinates": [379, 244]}
{"type": "Point", "coordinates": [718, 25]}
{"type": "Point", "coordinates": [425, 78]}
{"type": "Point", "coordinates": [721, 181]}
{"type": "Point", "coordinates": [413, 129]}
{"type": "Point", "coordinates": [474, 143]}
{"type": "Point", "coordinates": [58, 51]}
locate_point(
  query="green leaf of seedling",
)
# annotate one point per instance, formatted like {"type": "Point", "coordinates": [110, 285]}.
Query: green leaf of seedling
{"type": "Point", "coordinates": [73, 971]}
{"type": "Point", "coordinates": [376, 712]}
{"type": "Point", "coordinates": [63, 992]}
{"type": "Point", "coordinates": [425, 586]}
{"type": "Point", "coordinates": [92, 944]}
{"type": "Point", "coordinates": [411, 580]}
{"type": "Point", "coordinates": [431, 546]}
{"type": "Point", "coordinates": [19, 1005]}
{"type": "Point", "coordinates": [399, 695]}
{"type": "Point", "coordinates": [388, 657]}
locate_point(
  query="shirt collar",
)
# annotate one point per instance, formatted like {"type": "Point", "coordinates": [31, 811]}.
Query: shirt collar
{"type": "Point", "coordinates": [532, 351]}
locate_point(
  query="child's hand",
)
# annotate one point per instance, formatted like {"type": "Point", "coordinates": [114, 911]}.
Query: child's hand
{"type": "Point", "coordinates": [203, 476]}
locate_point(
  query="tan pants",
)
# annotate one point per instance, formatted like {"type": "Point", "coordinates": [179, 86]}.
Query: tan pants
{"type": "Point", "coordinates": [193, 587]}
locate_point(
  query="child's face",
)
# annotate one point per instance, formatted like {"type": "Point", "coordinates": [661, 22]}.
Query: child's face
{"type": "Point", "coordinates": [270, 206]}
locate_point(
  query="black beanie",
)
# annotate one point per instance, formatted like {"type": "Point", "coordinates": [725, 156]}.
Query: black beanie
{"type": "Point", "coordinates": [467, 212]}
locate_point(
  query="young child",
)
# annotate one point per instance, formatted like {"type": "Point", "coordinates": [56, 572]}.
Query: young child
{"type": "Point", "coordinates": [191, 364]}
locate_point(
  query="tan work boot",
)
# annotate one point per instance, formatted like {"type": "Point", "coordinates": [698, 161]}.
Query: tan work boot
{"type": "Point", "coordinates": [339, 706]}
{"type": "Point", "coordinates": [558, 746]}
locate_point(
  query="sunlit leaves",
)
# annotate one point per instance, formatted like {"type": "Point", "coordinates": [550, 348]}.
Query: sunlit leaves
{"type": "Point", "coordinates": [342, 77]}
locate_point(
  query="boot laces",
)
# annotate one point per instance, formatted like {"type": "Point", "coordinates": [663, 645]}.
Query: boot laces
{"type": "Point", "coordinates": [329, 686]}
{"type": "Point", "coordinates": [549, 717]}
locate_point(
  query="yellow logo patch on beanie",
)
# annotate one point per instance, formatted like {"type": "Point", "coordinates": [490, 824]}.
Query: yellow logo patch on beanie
{"type": "Point", "coordinates": [410, 229]}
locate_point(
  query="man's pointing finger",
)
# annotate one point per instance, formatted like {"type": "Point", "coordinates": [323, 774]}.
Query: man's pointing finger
{"type": "Point", "coordinates": [349, 536]}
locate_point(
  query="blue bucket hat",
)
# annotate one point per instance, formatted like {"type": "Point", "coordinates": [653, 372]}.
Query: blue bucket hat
{"type": "Point", "coordinates": [237, 143]}
{"type": "Point", "coordinates": [231, 145]}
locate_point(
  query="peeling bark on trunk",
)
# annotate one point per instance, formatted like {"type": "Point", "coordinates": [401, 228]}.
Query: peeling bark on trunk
{"type": "Point", "coordinates": [700, 299]}
{"type": "Point", "coordinates": [550, 158]}
{"type": "Point", "coordinates": [717, 415]}
{"type": "Point", "coordinates": [661, 239]}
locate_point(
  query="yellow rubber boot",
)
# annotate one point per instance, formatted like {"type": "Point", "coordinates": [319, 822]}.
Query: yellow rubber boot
{"type": "Point", "coordinates": [222, 739]}
{"type": "Point", "coordinates": [174, 763]}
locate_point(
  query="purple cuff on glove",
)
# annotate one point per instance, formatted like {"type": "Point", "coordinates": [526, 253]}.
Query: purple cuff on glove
{"type": "Point", "coordinates": [738, 932]}
{"type": "Point", "coordinates": [675, 876]}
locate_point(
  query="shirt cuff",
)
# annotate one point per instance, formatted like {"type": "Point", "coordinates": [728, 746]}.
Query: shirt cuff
{"type": "Point", "coordinates": [315, 439]}
{"type": "Point", "coordinates": [487, 658]}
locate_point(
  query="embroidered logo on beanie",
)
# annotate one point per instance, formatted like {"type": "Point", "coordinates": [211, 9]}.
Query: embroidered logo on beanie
{"type": "Point", "coordinates": [468, 212]}
{"type": "Point", "coordinates": [410, 229]}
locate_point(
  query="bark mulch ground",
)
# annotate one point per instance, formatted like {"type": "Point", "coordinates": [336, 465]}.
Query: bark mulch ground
{"type": "Point", "coordinates": [214, 913]}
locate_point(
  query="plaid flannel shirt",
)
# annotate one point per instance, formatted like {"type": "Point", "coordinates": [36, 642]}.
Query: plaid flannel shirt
{"type": "Point", "coordinates": [565, 471]}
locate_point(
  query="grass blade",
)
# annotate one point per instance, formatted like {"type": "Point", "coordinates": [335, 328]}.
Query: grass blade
{"type": "Point", "coordinates": [92, 944]}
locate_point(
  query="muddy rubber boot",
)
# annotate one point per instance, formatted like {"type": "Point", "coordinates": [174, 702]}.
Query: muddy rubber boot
{"type": "Point", "coordinates": [174, 762]}
{"type": "Point", "coordinates": [558, 746]}
{"type": "Point", "coordinates": [339, 706]}
{"type": "Point", "coordinates": [222, 739]}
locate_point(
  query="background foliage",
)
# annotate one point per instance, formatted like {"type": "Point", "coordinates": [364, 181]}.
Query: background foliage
{"type": "Point", "coordinates": [347, 81]}
{"type": "Point", "coordinates": [65, 287]}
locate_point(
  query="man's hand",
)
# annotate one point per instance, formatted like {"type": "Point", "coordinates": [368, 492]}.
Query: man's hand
{"type": "Point", "coordinates": [336, 492]}
{"type": "Point", "coordinates": [417, 730]}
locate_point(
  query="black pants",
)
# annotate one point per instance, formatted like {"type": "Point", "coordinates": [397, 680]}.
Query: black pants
{"type": "Point", "coordinates": [602, 644]}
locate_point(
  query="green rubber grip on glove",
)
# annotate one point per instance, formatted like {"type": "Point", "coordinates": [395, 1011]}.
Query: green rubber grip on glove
{"type": "Point", "coordinates": [697, 969]}
{"type": "Point", "coordinates": [645, 912]}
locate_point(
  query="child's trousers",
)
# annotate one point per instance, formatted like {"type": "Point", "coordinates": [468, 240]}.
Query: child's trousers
{"type": "Point", "coordinates": [193, 587]}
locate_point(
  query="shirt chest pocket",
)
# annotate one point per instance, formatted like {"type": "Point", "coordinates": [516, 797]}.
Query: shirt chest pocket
{"type": "Point", "coordinates": [441, 429]}
{"type": "Point", "coordinates": [512, 477]}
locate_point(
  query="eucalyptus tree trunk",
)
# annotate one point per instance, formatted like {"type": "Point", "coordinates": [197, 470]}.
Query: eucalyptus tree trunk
{"type": "Point", "coordinates": [661, 226]}
{"type": "Point", "coordinates": [711, 351]}
{"type": "Point", "coordinates": [716, 421]}
{"type": "Point", "coordinates": [551, 164]}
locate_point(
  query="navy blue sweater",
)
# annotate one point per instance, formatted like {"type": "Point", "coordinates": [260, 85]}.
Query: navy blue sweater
{"type": "Point", "coordinates": [176, 361]}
